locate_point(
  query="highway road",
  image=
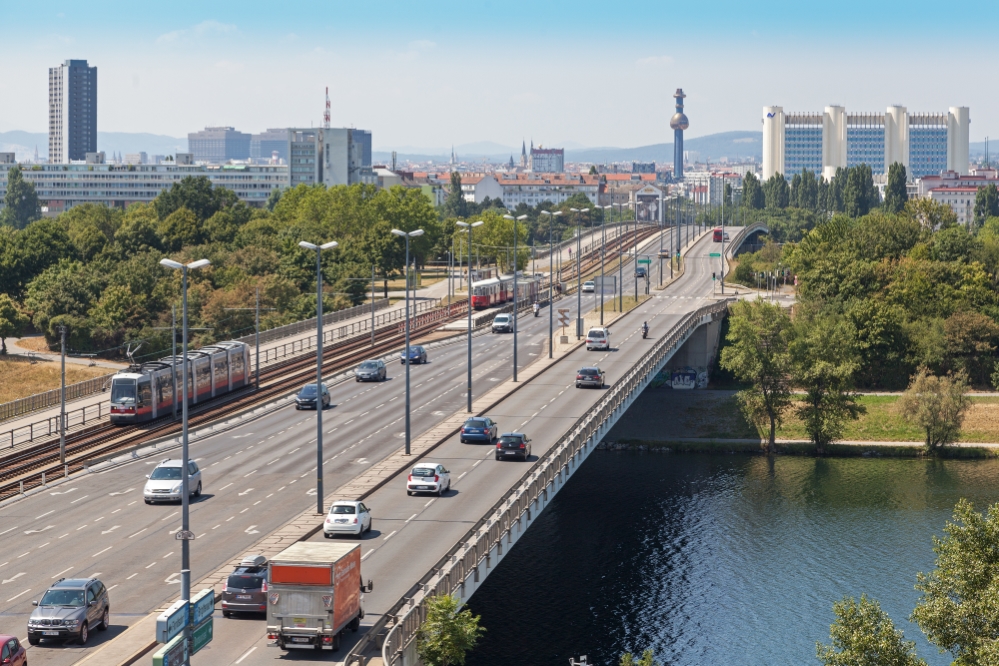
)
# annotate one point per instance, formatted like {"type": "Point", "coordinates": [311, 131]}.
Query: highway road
{"type": "Point", "coordinates": [411, 533]}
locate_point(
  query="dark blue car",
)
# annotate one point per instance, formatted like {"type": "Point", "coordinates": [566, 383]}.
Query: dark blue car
{"type": "Point", "coordinates": [417, 354]}
{"type": "Point", "coordinates": [478, 429]}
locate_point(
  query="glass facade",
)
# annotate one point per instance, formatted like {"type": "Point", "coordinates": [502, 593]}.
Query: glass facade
{"type": "Point", "coordinates": [865, 141]}
{"type": "Point", "coordinates": [802, 148]}
{"type": "Point", "coordinates": [927, 149]}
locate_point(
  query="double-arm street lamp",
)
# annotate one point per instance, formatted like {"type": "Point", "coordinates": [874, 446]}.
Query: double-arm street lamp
{"type": "Point", "coordinates": [468, 226]}
{"type": "Point", "coordinates": [516, 286]}
{"type": "Point", "coordinates": [407, 236]}
{"type": "Point", "coordinates": [579, 274]}
{"type": "Point", "coordinates": [551, 278]}
{"type": "Point", "coordinates": [185, 519]}
{"type": "Point", "coordinates": [621, 254]}
{"type": "Point", "coordinates": [318, 249]}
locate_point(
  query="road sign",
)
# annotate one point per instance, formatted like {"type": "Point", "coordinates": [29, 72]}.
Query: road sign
{"type": "Point", "coordinates": [173, 653]}
{"type": "Point", "coordinates": [184, 535]}
{"type": "Point", "coordinates": [203, 634]}
{"type": "Point", "coordinates": [202, 605]}
{"type": "Point", "coordinates": [171, 621]}
{"type": "Point", "coordinates": [645, 261]}
{"type": "Point", "coordinates": [715, 254]}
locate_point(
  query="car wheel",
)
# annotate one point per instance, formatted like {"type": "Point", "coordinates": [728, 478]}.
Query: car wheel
{"type": "Point", "coordinates": [84, 634]}
{"type": "Point", "coordinates": [149, 502]}
{"type": "Point", "coordinates": [326, 535]}
{"type": "Point", "coordinates": [371, 523]}
{"type": "Point", "coordinates": [497, 457]}
{"type": "Point", "coordinates": [409, 492]}
{"type": "Point", "coordinates": [197, 491]}
{"type": "Point", "coordinates": [226, 614]}
{"type": "Point", "coordinates": [355, 624]}
{"type": "Point", "coordinates": [336, 641]}
{"type": "Point", "coordinates": [32, 640]}
{"type": "Point", "coordinates": [105, 620]}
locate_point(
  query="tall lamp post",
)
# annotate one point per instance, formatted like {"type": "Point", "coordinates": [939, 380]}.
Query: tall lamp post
{"type": "Point", "coordinates": [318, 249]}
{"type": "Point", "coordinates": [620, 263]}
{"type": "Point", "coordinates": [603, 248]}
{"type": "Point", "coordinates": [468, 226]}
{"type": "Point", "coordinates": [407, 236]}
{"type": "Point", "coordinates": [579, 274]}
{"type": "Point", "coordinates": [551, 279]}
{"type": "Point", "coordinates": [185, 516]}
{"type": "Point", "coordinates": [515, 220]}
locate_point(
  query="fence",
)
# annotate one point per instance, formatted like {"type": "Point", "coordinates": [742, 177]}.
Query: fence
{"type": "Point", "coordinates": [310, 324]}
{"type": "Point", "coordinates": [49, 398]}
{"type": "Point", "coordinates": [50, 426]}
{"type": "Point", "coordinates": [463, 561]}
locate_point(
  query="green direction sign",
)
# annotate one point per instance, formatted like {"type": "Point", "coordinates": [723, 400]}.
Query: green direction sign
{"type": "Point", "coordinates": [202, 635]}
{"type": "Point", "coordinates": [715, 254]}
{"type": "Point", "coordinates": [173, 653]}
{"type": "Point", "coordinates": [645, 261]}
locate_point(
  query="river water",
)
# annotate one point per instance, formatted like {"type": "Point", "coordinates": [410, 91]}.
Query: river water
{"type": "Point", "coordinates": [719, 559]}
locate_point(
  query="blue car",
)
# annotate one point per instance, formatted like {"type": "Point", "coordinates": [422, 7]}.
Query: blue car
{"type": "Point", "coordinates": [478, 429]}
{"type": "Point", "coordinates": [417, 354]}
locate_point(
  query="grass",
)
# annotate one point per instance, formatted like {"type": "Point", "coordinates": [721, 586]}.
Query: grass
{"type": "Point", "coordinates": [37, 343]}
{"type": "Point", "coordinates": [805, 449]}
{"type": "Point", "coordinates": [20, 378]}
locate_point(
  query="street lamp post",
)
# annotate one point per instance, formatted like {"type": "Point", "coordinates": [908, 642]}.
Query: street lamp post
{"type": "Point", "coordinates": [407, 236]}
{"type": "Point", "coordinates": [620, 263]}
{"type": "Point", "coordinates": [579, 274]}
{"type": "Point", "coordinates": [515, 220]}
{"type": "Point", "coordinates": [319, 366]}
{"type": "Point", "coordinates": [468, 226]}
{"type": "Point", "coordinates": [603, 248]}
{"type": "Point", "coordinates": [551, 278]}
{"type": "Point", "coordinates": [185, 515]}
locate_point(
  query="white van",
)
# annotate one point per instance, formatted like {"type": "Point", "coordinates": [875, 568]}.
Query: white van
{"type": "Point", "coordinates": [598, 338]}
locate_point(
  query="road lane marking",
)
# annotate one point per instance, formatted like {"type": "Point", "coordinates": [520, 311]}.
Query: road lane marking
{"type": "Point", "coordinates": [246, 475]}
{"type": "Point", "coordinates": [132, 576]}
{"type": "Point", "coordinates": [45, 514]}
{"type": "Point", "coordinates": [248, 652]}
{"type": "Point", "coordinates": [168, 555]}
{"type": "Point", "coordinates": [139, 532]}
{"type": "Point", "coordinates": [411, 517]}
{"type": "Point", "coordinates": [80, 528]}
{"type": "Point", "coordinates": [362, 558]}
{"type": "Point", "coordinates": [245, 510]}
{"type": "Point", "coordinates": [224, 487]}
{"type": "Point", "coordinates": [58, 574]}
{"type": "Point", "coordinates": [12, 578]}
{"type": "Point", "coordinates": [170, 516]}
{"type": "Point", "coordinates": [19, 595]}
{"type": "Point", "coordinates": [103, 551]}
{"type": "Point", "coordinates": [390, 535]}
{"type": "Point", "coordinates": [151, 565]}
{"type": "Point", "coordinates": [112, 587]}
{"type": "Point", "coordinates": [8, 530]}
{"type": "Point", "coordinates": [461, 475]}
{"type": "Point", "coordinates": [273, 461]}
{"type": "Point", "coordinates": [430, 502]}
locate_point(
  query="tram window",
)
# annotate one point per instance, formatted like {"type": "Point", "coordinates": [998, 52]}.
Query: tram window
{"type": "Point", "coordinates": [220, 370]}
{"type": "Point", "coordinates": [204, 375]}
{"type": "Point", "coordinates": [145, 393]}
{"type": "Point", "coordinates": [122, 391]}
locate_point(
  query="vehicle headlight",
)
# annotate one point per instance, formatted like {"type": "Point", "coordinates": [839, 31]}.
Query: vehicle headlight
{"type": "Point", "coordinates": [175, 489]}
{"type": "Point", "coordinates": [71, 623]}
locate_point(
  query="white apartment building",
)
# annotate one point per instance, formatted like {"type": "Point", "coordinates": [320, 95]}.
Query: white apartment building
{"type": "Point", "coordinates": [535, 188]}
{"type": "Point", "coordinates": [956, 190]}
{"type": "Point", "coordinates": [476, 188]}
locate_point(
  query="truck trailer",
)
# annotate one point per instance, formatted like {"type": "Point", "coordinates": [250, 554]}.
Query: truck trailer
{"type": "Point", "coordinates": [314, 595]}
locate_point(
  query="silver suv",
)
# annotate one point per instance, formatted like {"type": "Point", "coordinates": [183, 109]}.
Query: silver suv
{"type": "Point", "coordinates": [69, 610]}
{"type": "Point", "coordinates": [165, 481]}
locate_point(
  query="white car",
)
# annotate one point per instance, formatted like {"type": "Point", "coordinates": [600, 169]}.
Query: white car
{"type": "Point", "coordinates": [428, 478]}
{"type": "Point", "coordinates": [503, 323]}
{"type": "Point", "coordinates": [347, 518]}
{"type": "Point", "coordinates": [589, 287]}
{"type": "Point", "coordinates": [165, 482]}
{"type": "Point", "coordinates": [598, 338]}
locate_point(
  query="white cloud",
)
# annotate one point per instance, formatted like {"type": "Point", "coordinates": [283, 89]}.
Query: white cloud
{"type": "Point", "coordinates": [203, 29]}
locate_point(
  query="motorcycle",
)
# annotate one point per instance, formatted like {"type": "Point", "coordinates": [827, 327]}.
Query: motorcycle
{"type": "Point", "coordinates": [645, 332]}
{"type": "Point", "coordinates": [537, 309]}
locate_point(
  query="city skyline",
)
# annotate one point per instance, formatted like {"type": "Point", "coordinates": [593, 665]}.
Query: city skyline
{"type": "Point", "coordinates": [482, 70]}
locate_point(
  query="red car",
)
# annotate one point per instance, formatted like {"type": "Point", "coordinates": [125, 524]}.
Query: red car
{"type": "Point", "coordinates": [12, 653]}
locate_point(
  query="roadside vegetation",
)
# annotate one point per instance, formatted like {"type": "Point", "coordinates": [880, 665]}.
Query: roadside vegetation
{"type": "Point", "coordinates": [20, 377]}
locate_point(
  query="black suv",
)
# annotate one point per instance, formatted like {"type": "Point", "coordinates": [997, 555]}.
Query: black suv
{"type": "Point", "coordinates": [69, 610]}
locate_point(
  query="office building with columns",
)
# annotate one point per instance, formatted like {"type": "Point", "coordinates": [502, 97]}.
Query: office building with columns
{"type": "Point", "coordinates": [925, 143]}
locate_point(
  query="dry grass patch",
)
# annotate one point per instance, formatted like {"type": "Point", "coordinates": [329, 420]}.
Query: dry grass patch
{"type": "Point", "coordinates": [21, 378]}
{"type": "Point", "coordinates": [36, 343]}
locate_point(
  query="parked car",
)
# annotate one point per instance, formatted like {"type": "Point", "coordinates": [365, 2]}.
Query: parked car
{"type": "Point", "coordinates": [478, 429]}
{"type": "Point", "coordinates": [245, 591]}
{"type": "Point", "coordinates": [589, 287]}
{"type": "Point", "coordinates": [598, 338]}
{"type": "Point", "coordinates": [306, 398]}
{"type": "Point", "coordinates": [590, 376]}
{"type": "Point", "coordinates": [417, 354]}
{"type": "Point", "coordinates": [165, 481]}
{"type": "Point", "coordinates": [371, 371]}
{"type": "Point", "coordinates": [428, 478]}
{"type": "Point", "coordinates": [347, 517]}
{"type": "Point", "coordinates": [503, 323]}
{"type": "Point", "coordinates": [513, 445]}
{"type": "Point", "coordinates": [69, 610]}
{"type": "Point", "coordinates": [12, 653]}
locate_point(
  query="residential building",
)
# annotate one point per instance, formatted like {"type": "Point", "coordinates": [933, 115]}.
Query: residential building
{"type": "Point", "coordinates": [956, 190]}
{"type": "Point", "coordinates": [264, 145]}
{"type": "Point", "coordinates": [218, 145]}
{"type": "Point", "coordinates": [643, 167]}
{"type": "Point", "coordinates": [476, 188]}
{"type": "Point", "coordinates": [7, 159]}
{"type": "Point", "coordinates": [305, 156]}
{"type": "Point", "coordinates": [535, 188]}
{"type": "Point", "coordinates": [72, 111]}
{"type": "Point", "coordinates": [547, 160]}
{"type": "Point", "coordinates": [60, 187]}
{"type": "Point", "coordinates": [924, 143]}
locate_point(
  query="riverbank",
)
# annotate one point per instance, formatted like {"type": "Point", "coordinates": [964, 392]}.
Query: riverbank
{"type": "Point", "coordinates": [845, 449]}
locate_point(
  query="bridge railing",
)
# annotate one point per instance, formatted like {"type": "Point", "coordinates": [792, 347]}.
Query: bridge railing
{"type": "Point", "coordinates": [399, 626]}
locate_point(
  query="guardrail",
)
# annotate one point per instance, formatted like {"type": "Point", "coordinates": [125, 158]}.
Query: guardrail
{"type": "Point", "coordinates": [534, 490]}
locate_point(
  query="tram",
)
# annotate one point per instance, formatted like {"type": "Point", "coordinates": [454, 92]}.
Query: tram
{"type": "Point", "coordinates": [145, 392]}
{"type": "Point", "coordinates": [497, 291]}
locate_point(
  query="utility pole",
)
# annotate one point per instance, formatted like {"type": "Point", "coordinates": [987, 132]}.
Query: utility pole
{"type": "Point", "coordinates": [372, 305]}
{"type": "Point", "coordinates": [62, 399]}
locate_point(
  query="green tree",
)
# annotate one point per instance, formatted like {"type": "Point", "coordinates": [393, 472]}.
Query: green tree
{"type": "Point", "coordinates": [959, 607]}
{"type": "Point", "coordinates": [824, 361]}
{"type": "Point", "coordinates": [448, 632]}
{"type": "Point", "coordinates": [896, 194]}
{"type": "Point", "coordinates": [455, 204]}
{"type": "Point", "coordinates": [752, 192]}
{"type": "Point", "coordinates": [196, 194]}
{"type": "Point", "coordinates": [929, 214]}
{"type": "Point", "coordinates": [12, 321]}
{"type": "Point", "coordinates": [180, 228]}
{"type": "Point", "coordinates": [864, 635]}
{"type": "Point", "coordinates": [937, 404]}
{"type": "Point", "coordinates": [647, 659]}
{"type": "Point", "coordinates": [807, 196]}
{"type": "Point", "coordinates": [972, 339]}
{"type": "Point", "coordinates": [758, 353]}
{"type": "Point", "coordinates": [593, 170]}
{"type": "Point", "coordinates": [776, 192]}
{"type": "Point", "coordinates": [21, 201]}
{"type": "Point", "coordinates": [273, 198]}
{"type": "Point", "coordinates": [986, 204]}
{"type": "Point", "coordinates": [859, 193]}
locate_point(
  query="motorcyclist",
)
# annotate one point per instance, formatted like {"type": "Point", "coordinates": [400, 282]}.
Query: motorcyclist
{"type": "Point", "coordinates": [645, 329]}
{"type": "Point", "coordinates": [537, 308]}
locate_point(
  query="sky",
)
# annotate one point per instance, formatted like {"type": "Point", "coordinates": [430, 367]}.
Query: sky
{"type": "Point", "coordinates": [431, 75]}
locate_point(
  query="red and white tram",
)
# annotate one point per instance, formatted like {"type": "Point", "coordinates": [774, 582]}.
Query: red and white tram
{"type": "Point", "coordinates": [497, 291]}
{"type": "Point", "coordinates": [145, 392]}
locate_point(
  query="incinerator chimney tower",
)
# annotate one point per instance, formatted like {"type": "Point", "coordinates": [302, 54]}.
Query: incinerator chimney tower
{"type": "Point", "coordinates": [679, 123]}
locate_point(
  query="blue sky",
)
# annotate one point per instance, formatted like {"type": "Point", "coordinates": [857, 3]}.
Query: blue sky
{"type": "Point", "coordinates": [433, 74]}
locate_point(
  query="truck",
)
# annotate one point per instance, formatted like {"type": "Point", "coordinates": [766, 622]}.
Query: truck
{"type": "Point", "coordinates": [314, 595]}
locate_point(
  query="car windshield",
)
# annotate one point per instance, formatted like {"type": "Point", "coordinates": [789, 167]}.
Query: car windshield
{"type": "Point", "coordinates": [368, 365]}
{"type": "Point", "coordinates": [475, 423]}
{"type": "Point", "coordinates": [165, 474]}
{"type": "Point", "coordinates": [510, 439]}
{"type": "Point", "coordinates": [346, 509]}
{"type": "Point", "coordinates": [123, 392]}
{"type": "Point", "coordinates": [502, 318]}
{"type": "Point", "coordinates": [423, 471]}
{"type": "Point", "coordinates": [245, 581]}
{"type": "Point", "coordinates": [62, 598]}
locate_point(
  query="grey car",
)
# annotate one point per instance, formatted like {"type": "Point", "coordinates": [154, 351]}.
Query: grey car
{"type": "Point", "coordinates": [245, 590]}
{"type": "Point", "coordinates": [69, 610]}
{"type": "Point", "coordinates": [371, 371]}
{"type": "Point", "coordinates": [590, 376]}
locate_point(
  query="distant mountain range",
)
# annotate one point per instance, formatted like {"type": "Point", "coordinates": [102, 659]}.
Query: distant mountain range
{"type": "Point", "coordinates": [24, 143]}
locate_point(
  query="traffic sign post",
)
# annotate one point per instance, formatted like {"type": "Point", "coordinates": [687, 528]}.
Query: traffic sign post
{"type": "Point", "coordinates": [171, 622]}
{"type": "Point", "coordinates": [202, 605]}
{"type": "Point", "coordinates": [173, 653]}
{"type": "Point", "coordinates": [645, 261]}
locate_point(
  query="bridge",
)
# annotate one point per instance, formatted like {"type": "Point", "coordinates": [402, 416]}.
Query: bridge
{"type": "Point", "coordinates": [258, 475]}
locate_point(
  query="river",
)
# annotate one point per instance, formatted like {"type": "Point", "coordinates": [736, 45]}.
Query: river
{"type": "Point", "coordinates": [719, 559]}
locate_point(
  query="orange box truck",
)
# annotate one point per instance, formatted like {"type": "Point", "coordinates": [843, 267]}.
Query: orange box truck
{"type": "Point", "coordinates": [314, 594]}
